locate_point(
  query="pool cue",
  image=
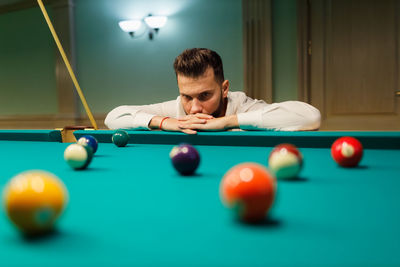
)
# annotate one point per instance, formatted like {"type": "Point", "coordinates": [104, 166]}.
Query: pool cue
{"type": "Point", "coordinates": [67, 64]}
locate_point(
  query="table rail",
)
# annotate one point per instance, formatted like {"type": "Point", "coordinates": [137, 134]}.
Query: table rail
{"type": "Point", "coordinates": [314, 139]}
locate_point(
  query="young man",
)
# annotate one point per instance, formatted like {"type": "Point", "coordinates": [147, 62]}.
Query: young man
{"type": "Point", "coordinates": [205, 104]}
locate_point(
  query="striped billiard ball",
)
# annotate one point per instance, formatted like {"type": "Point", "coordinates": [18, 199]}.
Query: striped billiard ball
{"type": "Point", "coordinates": [347, 151]}
{"type": "Point", "coordinates": [285, 161]}
{"type": "Point", "coordinates": [90, 141]}
{"type": "Point", "coordinates": [78, 156]}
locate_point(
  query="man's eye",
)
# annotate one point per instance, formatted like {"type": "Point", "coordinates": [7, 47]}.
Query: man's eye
{"type": "Point", "coordinates": [204, 96]}
{"type": "Point", "coordinates": [188, 98]}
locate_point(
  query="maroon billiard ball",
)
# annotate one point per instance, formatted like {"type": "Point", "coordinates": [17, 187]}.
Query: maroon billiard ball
{"type": "Point", "coordinates": [185, 159]}
{"type": "Point", "coordinates": [285, 161]}
{"type": "Point", "coordinates": [347, 151]}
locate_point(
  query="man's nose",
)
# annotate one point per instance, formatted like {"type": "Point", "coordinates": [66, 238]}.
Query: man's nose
{"type": "Point", "coordinates": [196, 107]}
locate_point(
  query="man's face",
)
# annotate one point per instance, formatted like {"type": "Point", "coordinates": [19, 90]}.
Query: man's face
{"type": "Point", "coordinates": [203, 94]}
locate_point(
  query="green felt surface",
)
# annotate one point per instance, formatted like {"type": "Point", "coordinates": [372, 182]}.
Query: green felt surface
{"type": "Point", "coordinates": [130, 207]}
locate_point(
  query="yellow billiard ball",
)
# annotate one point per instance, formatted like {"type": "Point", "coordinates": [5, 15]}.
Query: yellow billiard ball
{"type": "Point", "coordinates": [33, 200]}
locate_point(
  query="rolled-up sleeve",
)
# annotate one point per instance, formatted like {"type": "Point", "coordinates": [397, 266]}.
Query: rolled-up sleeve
{"type": "Point", "coordinates": [285, 116]}
{"type": "Point", "coordinates": [138, 117]}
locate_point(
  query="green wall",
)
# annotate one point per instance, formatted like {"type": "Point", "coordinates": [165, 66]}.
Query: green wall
{"type": "Point", "coordinates": [112, 68]}
{"type": "Point", "coordinates": [284, 49]}
{"type": "Point", "coordinates": [27, 76]}
{"type": "Point", "coordinates": [115, 69]}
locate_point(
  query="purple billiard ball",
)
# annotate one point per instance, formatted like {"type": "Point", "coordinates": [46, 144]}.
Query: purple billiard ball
{"type": "Point", "coordinates": [185, 159]}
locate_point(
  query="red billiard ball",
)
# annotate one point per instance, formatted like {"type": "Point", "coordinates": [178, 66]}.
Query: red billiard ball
{"type": "Point", "coordinates": [347, 151]}
{"type": "Point", "coordinates": [185, 158]}
{"type": "Point", "coordinates": [286, 161]}
{"type": "Point", "coordinates": [249, 190]}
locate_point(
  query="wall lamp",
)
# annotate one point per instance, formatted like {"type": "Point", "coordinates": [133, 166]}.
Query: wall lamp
{"type": "Point", "coordinates": [152, 25]}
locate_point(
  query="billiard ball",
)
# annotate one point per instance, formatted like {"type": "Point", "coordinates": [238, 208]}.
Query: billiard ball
{"type": "Point", "coordinates": [285, 161]}
{"type": "Point", "coordinates": [89, 140]}
{"type": "Point", "coordinates": [120, 138]}
{"type": "Point", "coordinates": [185, 158]}
{"type": "Point", "coordinates": [347, 151]}
{"type": "Point", "coordinates": [78, 156]}
{"type": "Point", "coordinates": [33, 200]}
{"type": "Point", "coordinates": [248, 189]}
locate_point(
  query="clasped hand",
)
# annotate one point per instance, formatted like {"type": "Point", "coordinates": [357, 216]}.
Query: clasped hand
{"type": "Point", "coordinates": [192, 123]}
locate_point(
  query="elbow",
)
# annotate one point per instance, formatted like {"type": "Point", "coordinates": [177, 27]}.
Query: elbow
{"type": "Point", "coordinates": [308, 119]}
{"type": "Point", "coordinates": [312, 120]}
{"type": "Point", "coordinates": [111, 120]}
{"type": "Point", "coordinates": [108, 122]}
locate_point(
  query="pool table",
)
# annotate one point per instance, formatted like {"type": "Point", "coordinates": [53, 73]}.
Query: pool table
{"type": "Point", "coordinates": [131, 208]}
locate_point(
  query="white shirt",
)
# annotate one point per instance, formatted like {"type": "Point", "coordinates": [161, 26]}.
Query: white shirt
{"type": "Point", "coordinates": [252, 114]}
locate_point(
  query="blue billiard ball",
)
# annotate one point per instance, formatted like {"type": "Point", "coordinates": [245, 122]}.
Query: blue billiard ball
{"type": "Point", "coordinates": [185, 159]}
{"type": "Point", "coordinates": [88, 140]}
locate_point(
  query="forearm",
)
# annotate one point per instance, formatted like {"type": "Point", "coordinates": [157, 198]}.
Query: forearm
{"type": "Point", "coordinates": [285, 116]}
{"type": "Point", "coordinates": [217, 124]}
{"type": "Point", "coordinates": [155, 122]}
{"type": "Point", "coordinates": [139, 117]}
{"type": "Point", "coordinates": [231, 122]}
{"type": "Point", "coordinates": [127, 118]}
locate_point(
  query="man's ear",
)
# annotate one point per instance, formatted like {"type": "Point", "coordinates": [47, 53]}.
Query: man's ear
{"type": "Point", "coordinates": [225, 88]}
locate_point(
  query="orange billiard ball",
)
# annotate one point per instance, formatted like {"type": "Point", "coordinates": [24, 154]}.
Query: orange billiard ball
{"type": "Point", "coordinates": [347, 151]}
{"type": "Point", "coordinates": [33, 200]}
{"type": "Point", "coordinates": [248, 189]}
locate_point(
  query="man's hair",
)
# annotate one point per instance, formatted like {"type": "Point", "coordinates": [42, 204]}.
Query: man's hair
{"type": "Point", "coordinates": [194, 63]}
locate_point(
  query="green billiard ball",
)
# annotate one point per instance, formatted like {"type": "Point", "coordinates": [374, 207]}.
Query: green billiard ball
{"type": "Point", "coordinates": [120, 138]}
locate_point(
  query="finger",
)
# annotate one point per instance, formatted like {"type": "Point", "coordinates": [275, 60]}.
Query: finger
{"type": "Point", "coordinates": [204, 116]}
{"type": "Point", "coordinates": [184, 126]}
{"type": "Point", "coordinates": [193, 121]}
{"type": "Point", "coordinates": [198, 126]}
{"type": "Point", "coordinates": [197, 115]}
{"type": "Point", "coordinates": [189, 131]}
{"type": "Point", "coordinates": [204, 127]}
{"type": "Point", "coordinates": [194, 126]}
{"type": "Point", "coordinates": [199, 121]}
{"type": "Point", "coordinates": [184, 118]}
